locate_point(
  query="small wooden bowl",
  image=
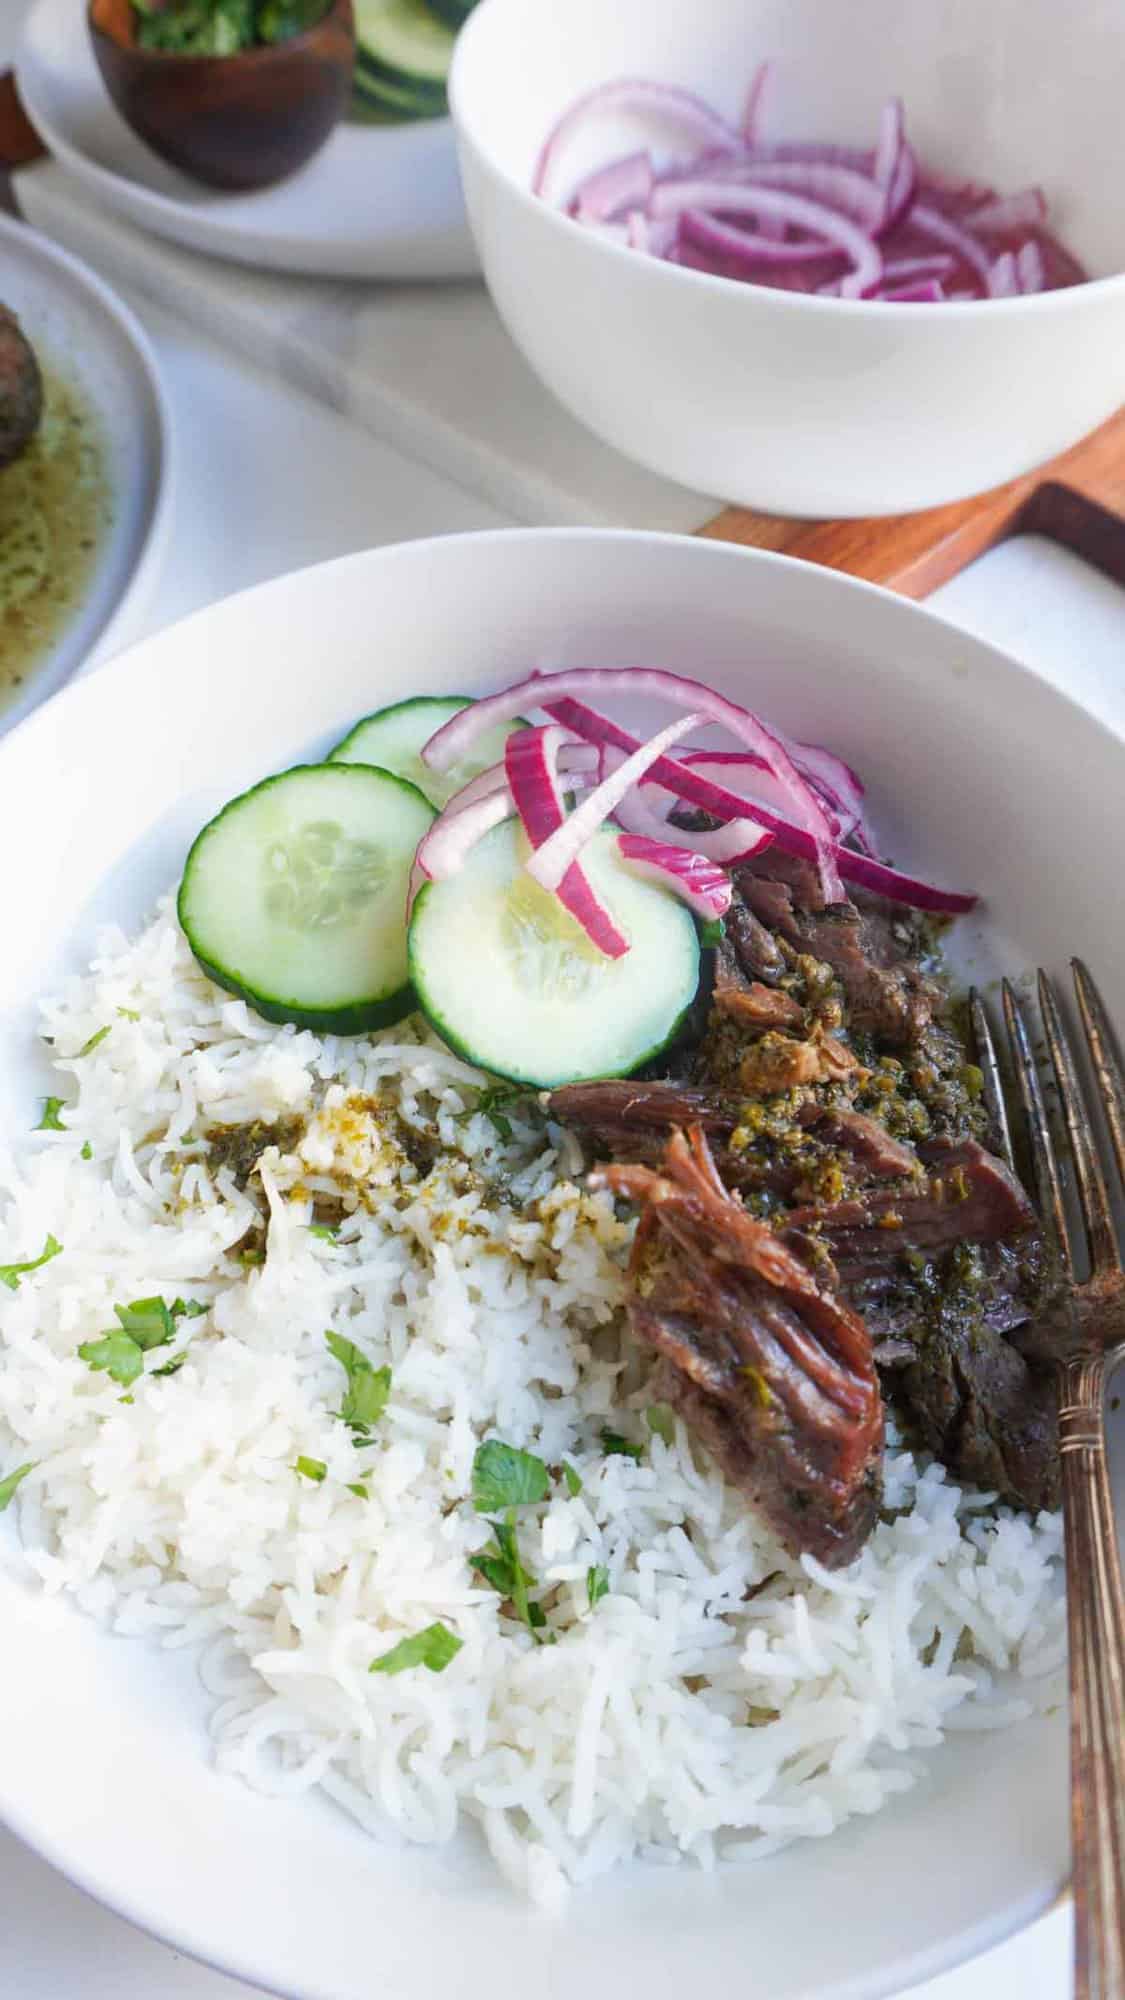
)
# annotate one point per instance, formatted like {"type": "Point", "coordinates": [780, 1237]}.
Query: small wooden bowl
{"type": "Point", "coordinates": [236, 122]}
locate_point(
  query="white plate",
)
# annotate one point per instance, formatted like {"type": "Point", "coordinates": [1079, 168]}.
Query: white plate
{"type": "Point", "coordinates": [78, 328]}
{"type": "Point", "coordinates": [104, 1766]}
{"type": "Point", "coordinates": [376, 202]}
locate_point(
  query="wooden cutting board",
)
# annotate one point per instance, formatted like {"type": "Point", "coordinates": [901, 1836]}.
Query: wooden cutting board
{"type": "Point", "coordinates": [1077, 499]}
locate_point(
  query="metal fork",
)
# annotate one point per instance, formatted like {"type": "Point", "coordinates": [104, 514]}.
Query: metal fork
{"type": "Point", "coordinates": [1087, 1338]}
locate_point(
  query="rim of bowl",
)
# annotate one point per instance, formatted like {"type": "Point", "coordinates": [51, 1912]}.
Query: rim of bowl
{"type": "Point", "coordinates": [1062, 299]}
{"type": "Point", "coordinates": [258, 54]}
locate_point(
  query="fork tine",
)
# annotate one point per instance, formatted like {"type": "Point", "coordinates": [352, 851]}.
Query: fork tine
{"type": "Point", "coordinates": [1091, 1181]}
{"type": "Point", "coordinates": [1047, 1182]}
{"type": "Point", "coordinates": [1104, 1056]}
{"type": "Point", "coordinates": [991, 1087]}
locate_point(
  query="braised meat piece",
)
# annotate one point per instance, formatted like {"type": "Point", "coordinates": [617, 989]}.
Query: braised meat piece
{"type": "Point", "coordinates": [971, 1198]}
{"type": "Point", "coordinates": [774, 1372]}
{"type": "Point", "coordinates": [21, 389]}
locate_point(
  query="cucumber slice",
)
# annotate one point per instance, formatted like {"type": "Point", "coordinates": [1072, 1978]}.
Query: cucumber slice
{"type": "Point", "coordinates": [294, 896]}
{"type": "Point", "coordinates": [393, 737]}
{"type": "Point", "coordinates": [403, 39]}
{"type": "Point", "coordinates": [399, 99]}
{"type": "Point", "coordinates": [509, 979]}
{"type": "Point", "coordinates": [454, 13]}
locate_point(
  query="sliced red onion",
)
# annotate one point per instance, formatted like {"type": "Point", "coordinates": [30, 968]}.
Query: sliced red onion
{"type": "Point", "coordinates": [1030, 268]}
{"type": "Point", "coordinates": [1010, 212]}
{"type": "Point", "coordinates": [760, 787]}
{"type": "Point", "coordinates": [1003, 277]}
{"type": "Point", "coordinates": [705, 888]}
{"type": "Point", "coordinates": [892, 137]}
{"type": "Point", "coordinates": [549, 863]}
{"type": "Point", "coordinates": [862, 869]}
{"type": "Point", "coordinates": [636, 224]}
{"type": "Point", "coordinates": [445, 846]}
{"type": "Point", "coordinates": [901, 192]}
{"type": "Point", "coordinates": [675, 198]}
{"type": "Point", "coordinates": [908, 270]}
{"type": "Point", "coordinates": [932, 223]}
{"type": "Point", "coordinates": [843, 189]}
{"type": "Point", "coordinates": [531, 758]}
{"type": "Point", "coordinates": [450, 742]}
{"type": "Point", "coordinates": [724, 846]}
{"type": "Point", "coordinates": [624, 184]}
{"type": "Point", "coordinates": [756, 254]}
{"type": "Point", "coordinates": [755, 99]}
{"type": "Point", "coordinates": [927, 292]}
{"type": "Point", "coordinates": [680, 107]}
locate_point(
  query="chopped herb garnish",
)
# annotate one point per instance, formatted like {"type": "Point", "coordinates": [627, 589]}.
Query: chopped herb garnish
{"type": "Point", "coordinates": [188, 1309]}
{"type": "Point", "coordinates": [147, 1321]}
{"type": "Point", "coordinates": [118, 1354]}
{"type": "Point", "coordinates": [368, 1388]}
{"type": "Point", "coordinates": [491, 1102]}
{"type": "Point", "coordinates": [322, 1230]}
{"type": "Point", "coordinates": [712, 933]}
{"type": "Point", "coordinates": [499, 1563]}
{"type": "Point", "coordinates": [311, 1468]}
{"type": "Point", "coordinates": [127, 1014]}
{"type": "Point", "coordinates": [88, 1048]}
{"type": "Point", "coordinates": [361, 1491]}
{"type": "Point", "coordinates": [8, 1485]}
{"type": "Point", "coordinates": [50, 1121]}
{"type": "Point", "coordinates": [616, 1446]}
{"type": "Point", "coordinates": [573, 1481]}
{"type": "Point", "coordinates": [661, 1420]}
{"type": "Point", "coordinates": [597, 1583]}
{"type": "Point", "coordinates": [432, 1648]}
{"type": "Point", "coordinates": [172, 1367]}
{"type": "Point", "coordinates": [10, 1274]}
{"type": "Point", "coordinates": [505, 1477]}
{"type": "Point", "coordinates": [87, 1150]}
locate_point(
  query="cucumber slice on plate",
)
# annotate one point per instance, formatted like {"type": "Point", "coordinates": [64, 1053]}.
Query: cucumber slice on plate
{"type": "Point", "coordinates": [393, 737]}
{"type": "Point", "coordinates": [402, 41]}
{"type": "Point", "coordinates": [509, 979]}
{"type": "Point", "coordinates": [454, 13]}
{"type": "Point", "coordinates": [398, 101]}
{"type": "Point", "coordinates": [294, 896]}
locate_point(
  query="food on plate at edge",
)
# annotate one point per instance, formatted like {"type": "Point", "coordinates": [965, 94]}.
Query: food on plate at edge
{"type": "Point", "coordinates": [518, 1269]}
{"type": "Point", "coordinates": [798, 215]}
{"type": "Point", "coordinates": [53, 502]}
{"type": "Point", "coordinates": [221, 27]}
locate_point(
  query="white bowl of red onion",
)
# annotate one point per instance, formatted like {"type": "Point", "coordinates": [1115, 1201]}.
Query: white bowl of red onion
{"type": "Point", "coordinates": [812, 258]}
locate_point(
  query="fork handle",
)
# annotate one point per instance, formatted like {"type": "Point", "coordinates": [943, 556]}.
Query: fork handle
{"type": "Point", "coordinates": [1096, 1620]}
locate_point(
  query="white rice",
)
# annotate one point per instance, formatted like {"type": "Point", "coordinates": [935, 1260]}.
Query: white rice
{"type": "Point", "coordinates": [683, 1715]}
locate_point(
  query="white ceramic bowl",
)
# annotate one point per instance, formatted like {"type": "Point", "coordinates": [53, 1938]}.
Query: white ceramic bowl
{"type": "Point", "coordinates": [104, 1766]}
{"type": "Point", "coordinates": [809, 405]}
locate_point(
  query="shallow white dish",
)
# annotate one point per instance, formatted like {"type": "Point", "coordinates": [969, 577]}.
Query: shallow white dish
{"type": "Point", "coordinates": [79, 329]}
{"type": "Point", "coordinates": [104, 1768]}
{"type": "Point", "coordinates": [808, 405]}
{"type": "Point", "coordinates": [376, 202]}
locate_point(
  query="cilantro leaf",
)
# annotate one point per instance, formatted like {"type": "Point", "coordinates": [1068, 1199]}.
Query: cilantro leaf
{"type": "Point", "coordinates": [572, 1478]}
{"type": "Point", "coordinates": [505, 1477]}
{"type": "Point", "coordinates": [311, 1468]}
{"type": "Point", "coordinates": [10, 1274]}
{"type": "Point", "coordinates": [188, 1309]}
{"type": "Point", "coordinates": [616, 1446]}
{"type": "Point", "coordinates": [88, 1048]}
{"type": "Point", "coordinates": [500, 1566]}
{"type": "Point", "coordinates": [368, 1388]}
{"type": "Point", "coordinates": [597, 1583]}
{"type": "Point", "coordinates": [8, 1485]}
{"type": "Point", "coordinates": [361, 1491]}
{"type": "Point", "coordinates": [491, 1101]}
{"type": "Point", "coordinates": [147, 1321]}
{"type": "Point", "coordinates": [127, 1014]}
{"type": "Point", "coordinates": [661, 1420]}
{"type": "Point", "coordinates": [119, 1355]}
{"type": "Point", "coordinates": [173, 1367]}
{"type": "Point", "coordinates": [87, 1150]}
{"type": "Point", "coordinates": [712, 933]}
{"type": "Point", "coordinates": [322, 1230]}
{"type": "Point", "coordinates": [50, 1121]}
{"type": "Point", "coordinates": [433, 1648]}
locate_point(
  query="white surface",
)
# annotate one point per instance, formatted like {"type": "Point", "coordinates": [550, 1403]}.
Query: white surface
{"type": "Point", "coordinates": [799, 404]}
{"type": "Point", "coordinates": [374, 203]}
{"type": "Point", "coordinates": [92, 342]}
{"type": "Point", "coordinates": [980, 1846]}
